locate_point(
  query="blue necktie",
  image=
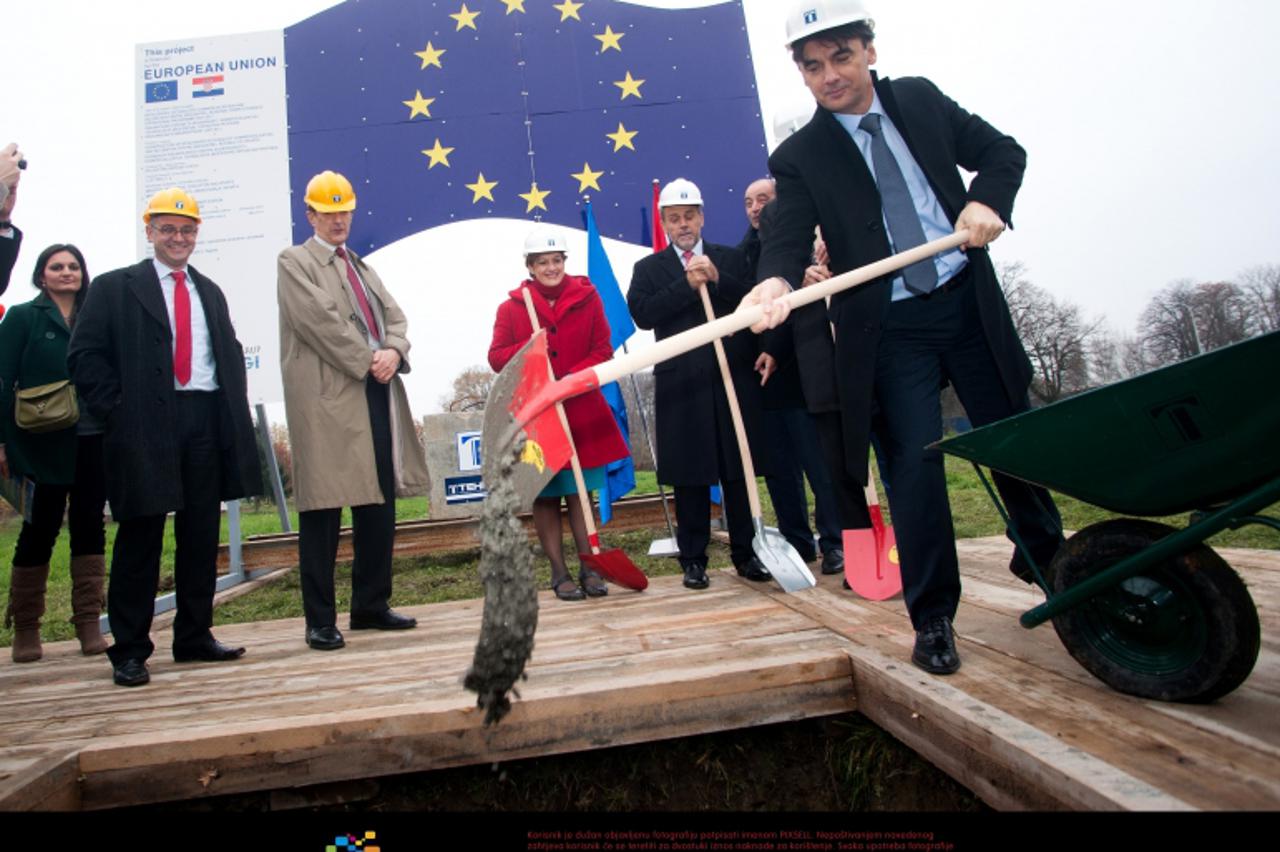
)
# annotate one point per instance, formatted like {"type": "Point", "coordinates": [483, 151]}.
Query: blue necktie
{"type": "Point", "coordinates": [899, 209]}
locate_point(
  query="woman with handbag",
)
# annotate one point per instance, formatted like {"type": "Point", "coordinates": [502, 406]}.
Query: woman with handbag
{"type": "Point", "coordinates": [47, 440]}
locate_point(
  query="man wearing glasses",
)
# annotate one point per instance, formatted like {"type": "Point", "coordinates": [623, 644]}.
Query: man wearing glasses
{"type": "Point", "coordinates": [154, 356]}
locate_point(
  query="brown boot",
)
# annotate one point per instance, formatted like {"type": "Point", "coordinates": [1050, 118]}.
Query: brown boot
{"type": "Point", "coordinates": [88, 576]}
{"type": "Point", "coordinates": [26, 606]}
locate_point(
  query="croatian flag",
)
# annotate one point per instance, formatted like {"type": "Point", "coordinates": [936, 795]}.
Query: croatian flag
{"type": "Point", "coordinates": [206, 87]}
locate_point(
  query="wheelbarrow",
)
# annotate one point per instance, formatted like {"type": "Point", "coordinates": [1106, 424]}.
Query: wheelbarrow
{"type": "Point", "coordinates": [1149, 609]}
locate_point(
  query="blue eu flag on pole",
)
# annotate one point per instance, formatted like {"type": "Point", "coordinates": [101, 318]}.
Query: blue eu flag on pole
{"type": "Point", "coordinates": [621, 478]}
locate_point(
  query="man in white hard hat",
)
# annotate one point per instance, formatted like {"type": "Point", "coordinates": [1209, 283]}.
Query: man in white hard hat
{"type": "Point", "coordinates": [343, 346]}
{"type": "Point", "coordinates": [878, 168]}
{"type": "Point", "coordinates": [155, 359]}
{"type": "Point", "coordinates": [696, 442]}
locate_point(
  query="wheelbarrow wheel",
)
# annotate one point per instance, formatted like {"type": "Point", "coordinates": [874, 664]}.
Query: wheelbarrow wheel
{"type": "Point", "coordinates": [1184, 629]}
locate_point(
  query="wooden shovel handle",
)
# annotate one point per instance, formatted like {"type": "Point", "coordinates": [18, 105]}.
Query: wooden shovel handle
{"type": "Point", "coordinates": [735, 412]}
{"type": "Point", "coordinates": [584, 499]}
{"type": "Point", "coordinates": [685, 341]}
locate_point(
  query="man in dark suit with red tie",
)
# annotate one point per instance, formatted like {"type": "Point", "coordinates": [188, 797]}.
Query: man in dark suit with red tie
{"type": "Point", "coordinates": [154, 356]}
{"type": "Point", "coordinates": [697, 446]}
{"type": "Point", "coordinates": [878, 168]}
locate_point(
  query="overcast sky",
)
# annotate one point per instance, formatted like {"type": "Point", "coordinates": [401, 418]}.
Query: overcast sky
{"type": "Point", "coordinates": [1151, 127]}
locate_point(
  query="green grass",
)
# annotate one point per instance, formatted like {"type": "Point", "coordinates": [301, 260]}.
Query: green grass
{"type": "Point", "coordinates": [437, 578]}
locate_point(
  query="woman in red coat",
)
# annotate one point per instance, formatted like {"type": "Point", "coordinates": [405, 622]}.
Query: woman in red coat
{"type": "Point", "coordinates": [570, 310]}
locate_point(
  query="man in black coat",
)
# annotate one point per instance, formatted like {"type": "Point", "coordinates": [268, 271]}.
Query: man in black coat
{"type": "Point", "coordinates": [10, 235]}
{"type": "Point", "coordinates": [790, 430]}
{"type": "Point", "coordinates": [697, 446]}
{"type": "Point", "coordinates": [154, 356]}
{"type": "Point", "coordinates": [878, 161]}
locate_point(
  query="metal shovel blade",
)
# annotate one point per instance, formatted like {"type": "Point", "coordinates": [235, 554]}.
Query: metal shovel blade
{"type": "Point", "coordinates": [871, 561]}
{"type": "Point", "coordinates": [664, 547]}
{"type": "Point", "coordinates": [546, 446]}
{"type": "Point", "coordinates": [777, 554]}
{"type": "Point", "coordinates": [616, 567]}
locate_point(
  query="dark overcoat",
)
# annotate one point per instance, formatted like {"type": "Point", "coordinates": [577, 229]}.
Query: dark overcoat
{"type": "Point", "coordinates": [9, 247]}
{"type": "Point", "coordinates": [691, 409]}
{"type": "Point", "coordinates": [121, 359]}
{"type": "Point", "coordinates": [823, 180]}
{"type": "Point", "coordinates": [33, 352]}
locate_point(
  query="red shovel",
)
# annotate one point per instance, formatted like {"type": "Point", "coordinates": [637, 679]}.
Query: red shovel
{"type": "Point", "coordinates": [612, 564]}
{"type": "Point", "coordinates": [871, 556]}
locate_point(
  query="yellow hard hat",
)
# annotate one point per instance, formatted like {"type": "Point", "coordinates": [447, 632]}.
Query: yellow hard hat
{"type": "Point", "coordinates": [330, 192]}
{"type": "Point", "coordinates": [174, 202]}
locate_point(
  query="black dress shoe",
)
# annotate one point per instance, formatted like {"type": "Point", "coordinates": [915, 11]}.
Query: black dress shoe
{"type": "Point", "coordinates": [695, 575]}
{"type": "Point", "coordinates": [385, 620]}
{"type": "Point", "coordinates": [212, 651]}
{"type": "Point", "coordinates": [833, 561]}
{"type": "Point", "coordinates": [935, 649]}
{"type": "Point", "coordinates": [131, 673]}
{"type": "Point", "coordinates": [754, 570]}
{"type": "Point", "coordinates": [325, 638]}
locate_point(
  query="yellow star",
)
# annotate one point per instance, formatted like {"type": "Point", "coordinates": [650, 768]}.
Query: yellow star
{"type": "Point", "coordinates": [481, 188]}
{"type": "Point", "coordinates": [622, 139]}
{"type": "Point", "coordinates": [629, 86]}
{"type": "Point", "coordinates": [535, 197]}
{"type": "Point", "coordinates": [438, 154]}
{"type": "Point", "coordinates": [514, 5]}
{"type": "Point", "coordinates": [430, 56]}
{"type": "Point", "coordinates": [419, 105]}
{"type": "Point", "coordinates": [609, 39]}
{"type": "Point", "coordinates": [465, 18]}
{"type": "Point", "coordinates": [568, 9]}
{"type": "Point", "coordinates": [587, 179]}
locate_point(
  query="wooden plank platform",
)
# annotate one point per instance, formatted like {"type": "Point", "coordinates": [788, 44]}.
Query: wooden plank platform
{"type": "Point", "coordinates": [1021, 724]}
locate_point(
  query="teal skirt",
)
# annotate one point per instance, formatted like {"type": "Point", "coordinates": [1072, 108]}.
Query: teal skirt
{"type": "Point", "coordinates": [562, 483]}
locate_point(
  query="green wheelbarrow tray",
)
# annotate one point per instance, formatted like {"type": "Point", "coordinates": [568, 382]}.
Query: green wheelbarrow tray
{"type": "Point", "coordinates": [1199, 436]}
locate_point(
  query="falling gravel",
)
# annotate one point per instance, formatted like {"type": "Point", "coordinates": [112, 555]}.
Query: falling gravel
{"type": "Point", "coordinates": [510, 596]}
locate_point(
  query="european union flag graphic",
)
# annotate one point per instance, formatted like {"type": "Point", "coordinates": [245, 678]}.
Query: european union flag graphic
{"type": "Point", "coordinates": [164, 91]}
{"type": "Point", "coordinates": [448, 110]}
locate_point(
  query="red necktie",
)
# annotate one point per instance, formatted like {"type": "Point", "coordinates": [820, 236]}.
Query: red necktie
{"type": "Point", "coordinates": [182, 330]}
{"type": "Point", "coordinates": [688, 255]}
{"type": "Point", "coordinates": [358, 289]}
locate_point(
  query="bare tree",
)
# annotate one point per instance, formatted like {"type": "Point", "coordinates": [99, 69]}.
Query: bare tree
{"type": "Point", "coordinates": [636, 406]}
{"type": "Point", "coordinates": [470, 389]}
{"type": "Point", "coordinates": [1185, 319]}
{"type": "Point", "coordinates": [1055, 336]}
{"type": "Point", "coordinates": [1261, 288]}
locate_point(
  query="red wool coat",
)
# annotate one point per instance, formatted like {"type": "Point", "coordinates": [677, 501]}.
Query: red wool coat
{"type": "Point", "coordinates": [577, 338]}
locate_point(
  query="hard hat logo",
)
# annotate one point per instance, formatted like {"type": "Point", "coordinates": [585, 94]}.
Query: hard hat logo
{"type": "Point", "coordinates": [330, 192]}
{"type": "Point", "coordinates": [811, 16]}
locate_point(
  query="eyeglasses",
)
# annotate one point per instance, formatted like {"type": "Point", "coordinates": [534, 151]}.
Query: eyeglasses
{"type": "Point", "coordinates": [171, 231]}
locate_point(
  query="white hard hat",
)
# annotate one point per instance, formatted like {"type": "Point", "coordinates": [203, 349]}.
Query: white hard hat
{"type": "Point", "coordinates": [789, 120]}
{"type": "Point", "coordinates": [544, 239]}
{"type": "Point", "coordinates": [809, 17]}
{"type": "Point", "coordinates": [678, 193]}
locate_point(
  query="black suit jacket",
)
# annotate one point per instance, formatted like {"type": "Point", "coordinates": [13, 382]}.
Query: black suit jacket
{"type": "Point", "coordinates": [121, 359]}
{"type": "Point", "coordinates": [688, 391]}
{"type": "Point", "coordinates": [823, 180]}
{"type": "Point", "coordinates": [9, 247]}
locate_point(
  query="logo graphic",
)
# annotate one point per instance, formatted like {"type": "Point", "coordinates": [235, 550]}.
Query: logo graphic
{"type": "Point", "coordinates": [349, 843]}
{"type": "Point", "coordinates": [811, 16]}
{"type": "Point", "coordinates": [157, 92]}
{"type": "Point", "coordinates": [209, 87]}
{"type": "Point", "coordinates": [532, 454]}
{"type": "Point", "coordinates": [463, 489]}
{"type": "Point", "coordinates": [469, 450]}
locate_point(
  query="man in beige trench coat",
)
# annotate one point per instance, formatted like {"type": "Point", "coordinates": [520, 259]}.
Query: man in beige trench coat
{"type": "Point", "coordinates": [352, 437]}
